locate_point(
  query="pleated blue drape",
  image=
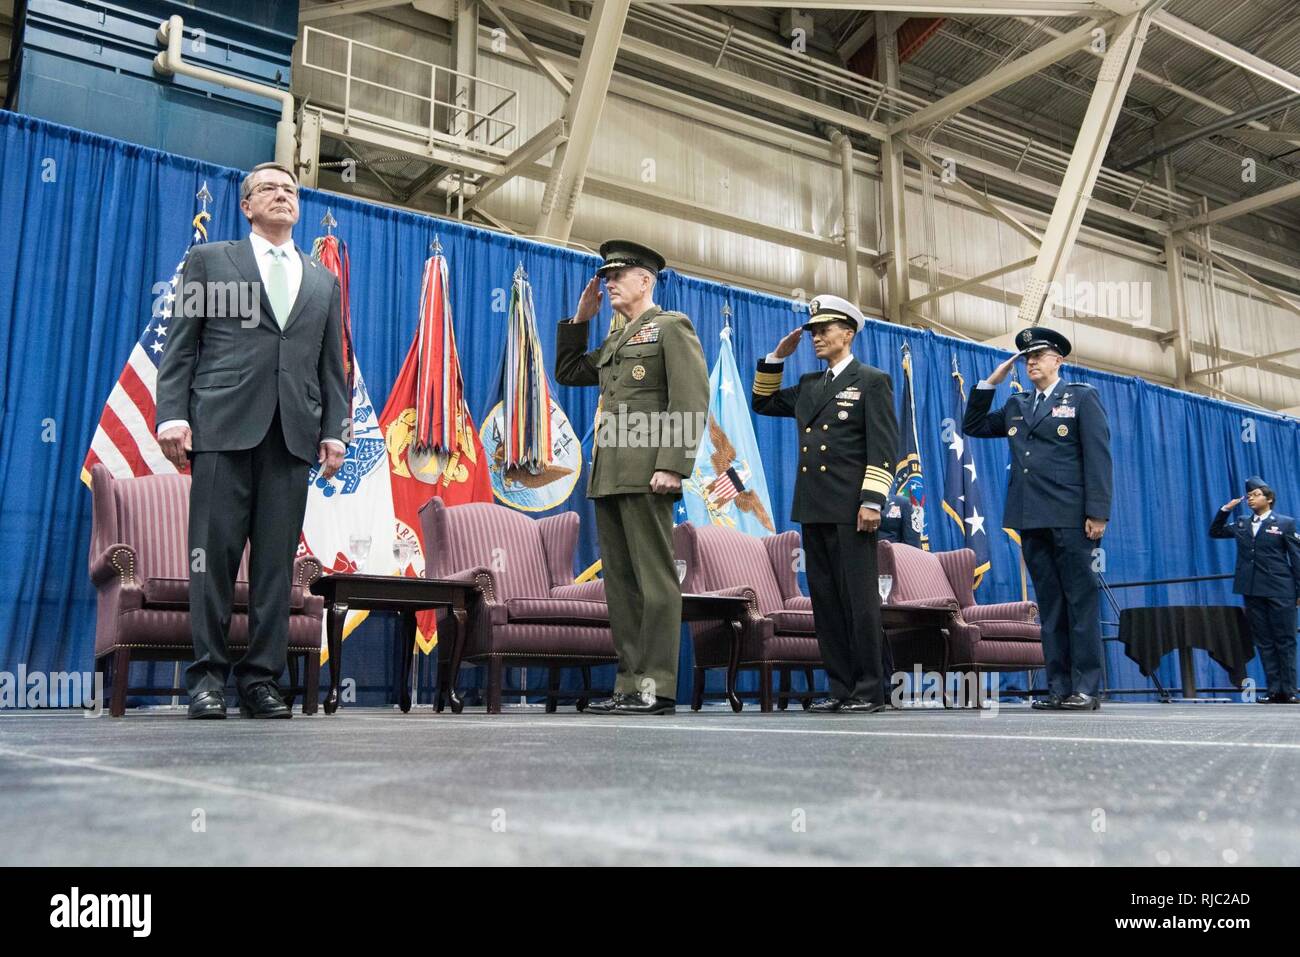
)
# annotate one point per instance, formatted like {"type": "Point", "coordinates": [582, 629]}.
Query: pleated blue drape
{"type": "Point", "coordinates": [90, 224]}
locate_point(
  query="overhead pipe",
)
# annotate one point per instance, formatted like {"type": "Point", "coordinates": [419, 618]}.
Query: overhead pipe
{"type": "Point", "coordinates": [170, 61]}
{"type": "Point", "coordinates": [850, 204]}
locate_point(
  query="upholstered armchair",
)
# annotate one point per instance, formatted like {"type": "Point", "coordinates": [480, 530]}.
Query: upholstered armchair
{"type": "Point", "coordinates": [529, 612]}
{"type": "Point", "coordinates": [996, 637]}
{"type": "Point", "coordinates": [779, 634]}
{"type": "Point", "coordinates": [140, 569]}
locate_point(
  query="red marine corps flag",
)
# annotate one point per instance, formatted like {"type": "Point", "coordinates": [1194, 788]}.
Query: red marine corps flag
{"type": "Point", "coordinates": [432, 445]}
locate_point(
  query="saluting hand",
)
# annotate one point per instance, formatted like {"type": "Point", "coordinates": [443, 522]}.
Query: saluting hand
{"type": "Point", "coordinates": [788, 345]}
{"type": "Point", "coordinates": [1002, 370]}
{"type": "Point", "coordinates": [1231, 505]}
{"type": "Point", "coordinates": [589, 301]}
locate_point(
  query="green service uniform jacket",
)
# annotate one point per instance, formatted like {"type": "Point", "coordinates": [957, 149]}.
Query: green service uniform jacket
{"type": "Point", "coordinates": [653, 365]}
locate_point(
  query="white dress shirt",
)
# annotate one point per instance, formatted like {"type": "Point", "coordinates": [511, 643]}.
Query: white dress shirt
{"type": "Point", "coordinates": [1258, 521]}
{"type": "Point", "coordinates": [262, 253]}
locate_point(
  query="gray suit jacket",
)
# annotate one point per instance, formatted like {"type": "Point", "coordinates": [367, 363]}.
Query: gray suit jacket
{"type": "Point", "coordinates": [225, 373]}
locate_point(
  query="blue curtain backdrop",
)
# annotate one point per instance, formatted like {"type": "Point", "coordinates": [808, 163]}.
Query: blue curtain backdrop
{"type": "Point", "coordinates": [91, 223]}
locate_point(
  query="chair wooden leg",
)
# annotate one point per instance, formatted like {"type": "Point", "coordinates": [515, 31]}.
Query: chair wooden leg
{"type": "Point", "coordinates": [121, 678]}
{"type": "Point", "coordinates": [311, 682]}
{"type": "Point", "coordinates": [494, 685]}
{"type": "Point", "coordinates": [783, 699]}
{"type": "Point", "coordinates": [697, 692]}
{"type": "Point", "coordinates": [292, 665]}
{"type": "Point", "coordinates": [765, 686]}
{"type": "Point", "coordinates": [552, 688]}
{"type": "Point", "coordinates": [586, 686]}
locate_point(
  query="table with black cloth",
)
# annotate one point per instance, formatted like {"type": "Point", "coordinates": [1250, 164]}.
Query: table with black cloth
{"type": "Point", "coordinates": [1148, 634]}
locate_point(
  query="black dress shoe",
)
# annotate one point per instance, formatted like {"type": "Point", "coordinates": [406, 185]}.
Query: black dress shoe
{"type": "Point", "coordinates": [1282, 698]}
{"type": "Point", "coordinates": [263, 701]}
{"type": "Point", "coordinates": [639, 704]}
{"type": "Point", "coordinates": [1051, 703]}
{"type": "Point", "coordinates": [1081, 702]}
{"type": "Point", "coordinates": [607, 705]}
{"type": "Point", "coordinates": [827, 706]}
{"type": "Point", "coordinates": [862, 706]}
{"type": "Point", "coordinates": [208, 704]}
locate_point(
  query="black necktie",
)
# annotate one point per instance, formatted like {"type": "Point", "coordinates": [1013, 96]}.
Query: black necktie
{"type": "Point", "coordinates": [1038, 401]}
{"type": "Point", "coordinates": [825, 384]}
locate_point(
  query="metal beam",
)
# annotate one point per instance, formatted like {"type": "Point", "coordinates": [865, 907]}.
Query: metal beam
{"type": "Point", "coordinates": [582, 114]}
{"type": "Point", "coordinates": [1224, 50]}
{"type": "Point", "coordinates": [972, 281]}
{"type": "Point", "coordinates": [1242, 207]}
{"type": "Point", "coordinates": [1085, 162]}
{"type": "Point", "coordinates": [324, 11]}
{"type": "Point", "coordinates": [893, 177]}
{"type": "Point", "coordinates": [547, 69]}
{"type": "Point", "coordinates": [538, 146]}
{"type": "Point", "coordinates": [849, 204]}
{"type": "Point", "coordinates": [1218, 126]}
{"type": "Point", "coordinates": [1001, 78]}
{"type": "Point", "coordinates": [1177, 298]}
{"type": "Point", "coordinates": [979, 8]}
{"type": "Point", "coordinates": [992, 208]}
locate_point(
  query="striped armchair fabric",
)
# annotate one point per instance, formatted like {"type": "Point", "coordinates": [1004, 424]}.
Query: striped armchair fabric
{"type": "Point", "coordinates": [139, 565]}
{"type": "Point", "coordinates": [998, 637]}
{"type": "Point", "coordinates": [780, 635]}
{"type": "Point", "coordinates": [529, 613]}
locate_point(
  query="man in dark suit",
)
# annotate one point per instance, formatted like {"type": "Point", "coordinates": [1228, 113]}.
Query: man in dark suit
{"type": "Point", "coordinates": [1059, 501]}
{"type": "Point", "coordinates": [252, 397]}
{"type": "Point", "coordinates": [1268, 576]}
{"type": "Point", "coordinates": [848, 438]}
{"type": "Point", "coordinates": [896, 522]}
{"type": "Point", "coordinates": [654, 398]}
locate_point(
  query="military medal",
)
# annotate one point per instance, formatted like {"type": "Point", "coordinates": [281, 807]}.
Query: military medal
{"type": "Point", "coordinates": [638, 373]}
{"type": "Point", "coordinates": [843, 415]}
{"type": "Point", "coordinates": [1011, 431]}
{"type": "Point", "coordinates": [1062, 430]}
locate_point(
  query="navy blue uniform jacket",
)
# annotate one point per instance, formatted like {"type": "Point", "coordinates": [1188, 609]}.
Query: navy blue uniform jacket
{"type": "Point", "coordinates": [1060, 461]}
{"type": "Point", "coordinates": [1268, 562]}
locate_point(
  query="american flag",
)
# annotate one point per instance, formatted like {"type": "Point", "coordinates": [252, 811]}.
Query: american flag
{"type": "Point", "coordinates": [724, 488]}
{"type": "Point", "coordinates": [124, 439]}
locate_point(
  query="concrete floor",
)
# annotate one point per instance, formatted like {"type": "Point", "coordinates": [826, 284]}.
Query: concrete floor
{"type": "Point", "coordinates": [1133, 784]}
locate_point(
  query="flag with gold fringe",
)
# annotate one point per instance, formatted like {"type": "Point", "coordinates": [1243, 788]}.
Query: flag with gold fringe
{"type": "Point", "coordinates": [962, 500]}
{"type": "Point", "coordinates": [349, 524]}
{"type": "Point", "coordinates": [429, 437]}
{"type": "Point", "coordinates": [909, 476]}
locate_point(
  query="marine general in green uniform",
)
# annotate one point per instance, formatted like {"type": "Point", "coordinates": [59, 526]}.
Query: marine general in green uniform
{"type": "Point", "coordinates": [654, 399]}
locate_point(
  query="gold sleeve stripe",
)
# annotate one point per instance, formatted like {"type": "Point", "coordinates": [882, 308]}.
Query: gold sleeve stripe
{"type": "Point", "coordinates": [877, 480]}
{"type": "Point", "coordinates": [766, 383]}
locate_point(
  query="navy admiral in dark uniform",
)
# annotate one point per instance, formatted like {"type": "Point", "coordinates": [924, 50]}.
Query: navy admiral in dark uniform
{"type": "Point", "coordinates": [847, 443]}
{"type": "Point", "coordinates": [1059, 501]}
{"type": "Point", "coordinates": [896, 522]}
{"type": "Point", "coordinates": [1268, 576]}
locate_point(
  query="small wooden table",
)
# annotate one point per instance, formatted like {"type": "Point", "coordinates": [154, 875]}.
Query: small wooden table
{"type": "Point", "coordinates": [917, 632]}
{"type": "Point", "coordinates": [392, 593]}
{"type": "Point", "coordinates": [732, 609]}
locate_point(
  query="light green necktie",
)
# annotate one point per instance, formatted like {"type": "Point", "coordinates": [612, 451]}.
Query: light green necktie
{"type": "Point", "coordinates": [277, 287]}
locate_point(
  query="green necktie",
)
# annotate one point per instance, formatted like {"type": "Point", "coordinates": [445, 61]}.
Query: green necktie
{"type": "Point", "coordinates": [277, 287]}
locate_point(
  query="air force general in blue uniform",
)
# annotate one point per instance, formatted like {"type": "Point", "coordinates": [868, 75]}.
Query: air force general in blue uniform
{"type": "Point", "coordinates": [1268, 576]}
{"type": "Point", "coordinates": [1059, 501]}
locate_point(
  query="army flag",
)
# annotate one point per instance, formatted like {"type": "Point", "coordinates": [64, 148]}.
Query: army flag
{"type": "Point", "coordinates": [962, 499]}
{"type": "Point", "coordinates": [728, 486]}
{"type": "Point", "coordinates": [124, 440]}
{"type": "Point", "coordinates": [349, 524]}
{"type": "Point", "coordinates": [431, 444]}
{"type": "Point", "coordinates": [909, 476]}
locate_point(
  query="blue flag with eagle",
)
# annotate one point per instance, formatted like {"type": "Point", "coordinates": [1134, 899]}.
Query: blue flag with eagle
{"type": "Point", "coordinates": [962, 499]}
{"type": "Point", "coordinates": [728, 485]}
{"type": "Point", "coordinates": [909, 476]}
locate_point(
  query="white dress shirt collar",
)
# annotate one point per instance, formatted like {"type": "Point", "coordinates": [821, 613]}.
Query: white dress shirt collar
{"type": "Point", "coordinates": [840, 366]}
{"type": "Point", "coordinates": [261, 245]}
